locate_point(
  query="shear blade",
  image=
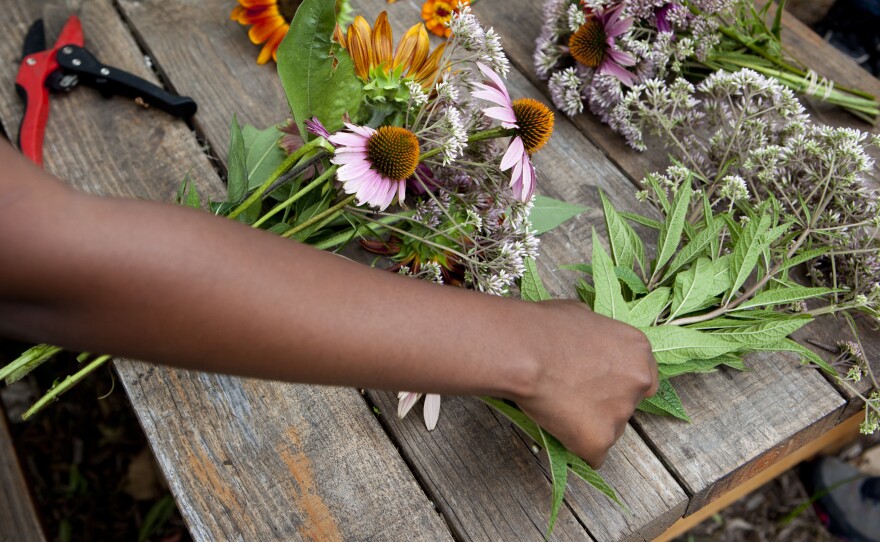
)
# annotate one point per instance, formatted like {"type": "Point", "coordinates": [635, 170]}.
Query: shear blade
{"type": "Point", "coordinates": [35, 40]}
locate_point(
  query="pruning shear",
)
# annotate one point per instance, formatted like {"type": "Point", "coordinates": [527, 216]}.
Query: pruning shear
{"type": "Point", "coordinates": [67, 64]}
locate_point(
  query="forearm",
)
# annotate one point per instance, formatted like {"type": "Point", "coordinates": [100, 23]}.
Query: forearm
{"type": "Point", "coordinates": [180, 287]}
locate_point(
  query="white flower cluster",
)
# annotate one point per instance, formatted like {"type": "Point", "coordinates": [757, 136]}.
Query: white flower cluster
{"type": "Point", "coordinates": [750, 138]}
{"type": "Point", "coordinates": [484, 45]}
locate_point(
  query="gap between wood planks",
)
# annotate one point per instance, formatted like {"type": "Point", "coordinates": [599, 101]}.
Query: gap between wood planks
{"type": "Point", "coordinates": [213, 157]}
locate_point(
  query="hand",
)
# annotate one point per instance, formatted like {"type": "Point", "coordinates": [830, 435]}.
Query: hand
{"type": "Point", "coordinates": [593, 372]}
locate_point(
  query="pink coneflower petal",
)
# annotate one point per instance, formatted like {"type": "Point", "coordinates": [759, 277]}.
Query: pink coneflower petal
{"type": "Point", "coordinates": [611, 68]}
{"type": "Point", "coordinates": [504, 114]}
{"type": "Point", "coordinates": [490, 94]}
{"type": "Point", "coordinates": [514, 154]}
{"type": "Point", "coordinates": [613, 24]}
{"type": "Point", "coordinates": [353, 170]}
{"type": "Point", "coordinates": [348, 140]}
{"type": "Point", "coordinates": [348, 158]}
{"type": "Point", "coordinates": [365, 131]}
{"type": "Point", "coordinates": [499, 84]}
{"type": "Point", "coordinates": [314, 126]}
{"type": "Point", "coordinates": [432, 411]}
{"type": "Point", "coordinates": [621, 58]}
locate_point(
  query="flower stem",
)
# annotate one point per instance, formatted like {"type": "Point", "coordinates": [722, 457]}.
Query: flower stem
{"type": "Point", "coordinates": [491, 133]}
{"type": "Point", "coordinates": [288, 163]}
{"type": "Point", "coordinates": [318, 181]}
{"type": "Point", "coordinates": [317, 218]}
{"type": "Point", "coordinates": [65, 385]}
{"type": "Point", "coordinates": [358, 231]}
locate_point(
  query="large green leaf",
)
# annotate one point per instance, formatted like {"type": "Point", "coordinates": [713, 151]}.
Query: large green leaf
{"type": "Point", "coordinates": [784, 296]}
{"type": "Point", "coordinates": [558, 456]}
{"type": "Point", "coordinates": [262, 153]}
{"type": "Point", "coordinates": [693, 288]}
{"type": "Point", "coordinates": [674, 344]}
{"type": "Point", "coordinates": [515, 415]}
{"type": "Point", "coordinates": [746, 251]}
{"type": "Point", "coordinates": [670, 233]}
{"type": "Point", "coordinates": [626, 246]}
{"type": "Point", "coordinates": [644, 312]}
{"type": "Point", "coordinates": [665, 402]}
{"type": "Point", "coordinates": [317, 74]}
{"type": "Point", "coordinates": [788, 345]}
{"type": "Point", "coordinates": [530, 285]}
{"type": "Point", "coordinates": [237, 175]}
{"type": "Point", "coordinates": [625, 275]}
{"type": "Point", "coordinates": [609, 299]}
{"type": "Point", "coordinates": [764, 333]}
{"type": "Point", "coordinates": [696, 366]}
{"type": "Point", "coordinates": [694, 249]}
{"type": "Point", "coordinates": [549, 213]}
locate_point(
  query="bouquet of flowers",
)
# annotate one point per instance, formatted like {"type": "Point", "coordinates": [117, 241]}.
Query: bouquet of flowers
{"type": "Point", "coordinates": [421, 155]}
{"type": "Point", "coordinates": [593, 51]}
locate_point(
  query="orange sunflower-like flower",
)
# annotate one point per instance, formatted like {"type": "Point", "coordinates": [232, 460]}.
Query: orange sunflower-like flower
{"type": "Point", "coordinates": [270, 20]}
{"type": "Point", "coordinates": [437, 13]}
{"type": "Point", "coordinates": [371, 48]}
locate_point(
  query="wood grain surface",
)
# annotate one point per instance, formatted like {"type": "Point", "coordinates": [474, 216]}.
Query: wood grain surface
{"type": "Point", "coordinates": [19, 521]}
{"type": "Point", "coordinates": [246, 460]}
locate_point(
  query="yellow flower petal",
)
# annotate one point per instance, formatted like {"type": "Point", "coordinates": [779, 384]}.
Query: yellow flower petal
{"type": "Point", "coordinates": [360, 46]}
{"type": "Point", "coordinates": [428, 72]}
{"type": "Point", "coordinates": [383, 41]}
{"type": "Point", "coordinates": [413, 49]}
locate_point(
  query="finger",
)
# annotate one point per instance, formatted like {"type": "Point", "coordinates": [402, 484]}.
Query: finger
{"type": "Point", "coordinates": [655, 378]}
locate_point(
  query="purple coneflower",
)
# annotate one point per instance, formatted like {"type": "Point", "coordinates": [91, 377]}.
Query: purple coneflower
{"type": "Point", "coordinates": [533, 123]}
{"type": "Point", "coordinates": [407, 399]}
{"type": "Point", "coordinates": [375, 164]}
{"type": "Point", "coordinates": [593, 44]}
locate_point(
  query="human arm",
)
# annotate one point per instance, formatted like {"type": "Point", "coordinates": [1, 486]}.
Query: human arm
{"type": "Point", "coordinates": [181, 287]}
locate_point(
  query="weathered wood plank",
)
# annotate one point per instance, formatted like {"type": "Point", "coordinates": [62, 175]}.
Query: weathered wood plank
{"type": "Point", "coordinates": [776, 390]}
{"type": "Point", "coordinates": [246, 459]}
{"type": "Point", "coordinates": [18, 518]}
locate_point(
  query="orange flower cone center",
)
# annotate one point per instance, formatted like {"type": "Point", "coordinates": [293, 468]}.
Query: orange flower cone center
{"type": "Point", "coordinates": [535, 121]}
{"type": "Point", "coordinates": [393, 152]}
{"type": "Point", "coordinates": [588, 44]}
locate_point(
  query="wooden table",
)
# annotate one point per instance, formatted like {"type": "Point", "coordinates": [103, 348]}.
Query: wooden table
{"type": "Point", "coordinates": [254, 460]}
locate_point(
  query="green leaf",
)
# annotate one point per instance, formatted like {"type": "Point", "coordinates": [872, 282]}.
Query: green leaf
{"type": "Point", "coordinates": [626, 246]}
{"type": "Point", "coordinates": [746, 252]}
{"type": "Point", "coordinates": [515, 415]}
{"type": "Point", "coordinates": [644, 312]}
{"type": "Point", "coordinates": [530, 286]}
{"type": "Point", "coordinates": [696, 366]}
{"type": "Point", "coordinates": [188, 194]}
{"type": "Point", "coordinates": [666, 401]}
{"type": "Point", "coordinates": [693, 288]}
{"type": "Point", "coordinates": [643, 220]}
{"type": "Point", "coordinates": [609, 299]}
{"type": "Point", "coordinates": [316, 73]}
{"type": "Point", "coordinates": [586, 292]}
{"type": "Point", "coordinates": [590, 476]}
{"type": "Point", "coordinates": [694, 249]}
{"type": "Point", "coordinates": [237, 178]}
{"type": "Point", "coordinates": [674, 344]}
{"type": "Point", "coordinates": [804, 256]}
{"type": "Point", "coordinates": [549, 213]}
{"type": "Point", "coordinates": [263, 155]}
{"type": "Point", "coordinates": [784, 296]}
{"type": "Point", "coordinates": [807, 355]}
{"type": "Point", "coordinates": [558, 456]}
{"type": "Point", "coordinates": [627, 276]}
{"type": "Point", "coordinates": [756, 335]}
{"type": "Point", "coordinates": [670, 233]}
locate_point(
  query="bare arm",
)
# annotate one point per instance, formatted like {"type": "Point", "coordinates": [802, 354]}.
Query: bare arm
{"type": "Point", "coordinates": [180, 287]}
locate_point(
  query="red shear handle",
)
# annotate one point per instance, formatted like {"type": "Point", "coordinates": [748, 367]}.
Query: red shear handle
{"type": "Point", "coordinates": [33, 125]}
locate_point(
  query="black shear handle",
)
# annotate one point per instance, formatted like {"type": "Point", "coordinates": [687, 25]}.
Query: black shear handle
{"type": "Point", "coordinates": [110, 81]}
